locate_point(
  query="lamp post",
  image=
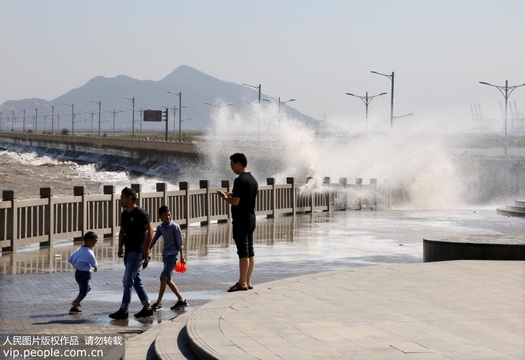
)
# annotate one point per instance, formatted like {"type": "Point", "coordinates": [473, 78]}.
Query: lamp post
{"type": "Point", "coordinates": [255, 87]}
{"type": "Point", "coordinates": [13, 119]}
{"type": "Point", "coordinates": [92, 113]}
{"type": "Point", "coordinates": [36, 119]}
{"type": "Point", "coordinates": [175, 109]}
{"type": "Point", "coordinates": [179, 94]}
{"type": "Point", "coordinates": [114, 112]}
{"type": "Point", "coordinates": [24, 121]}
{"type": "Point", "coordinates": [99, 112]}
{"type": "Point", "coordinates": [366, 100]}
{"type": "Point", "coordinates": [281, 103]}
{"type": "Point", "coordinates": [391, 77]}
{"type": "Point", "coordinates": [401, 116]}
{"type": "Point", "coordinates": [505, 91]}
{"type": "Point", "coordinates": [132, 99]}
{"type": "Point", "coordinates": [72, 118]}
{"type": "Point", "coordinates": [259, 112]}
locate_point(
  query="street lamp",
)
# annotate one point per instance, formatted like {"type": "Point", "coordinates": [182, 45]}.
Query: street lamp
{"type": "Point", "coordinates": [92, 113]}
{"type": "Point", "coordinates": [505, 91]}
{"type": "Point", "coordinates": [72, 118]}
{"type": "Point", "coordinates": [391, 77]}
{"type": "Point", "coordinates": [132, 99]}
{"type": "Point", "coordinates": [99, 113]}
{"type": "Point", "coordinates": [255, 87]}
{"type": "Point", "coordinates": [36, 119]}
{"type": "Point", "coordinates": [114, 112]}
{"type": "Point", "coordinates": [366, 100]}
{"type": "Point", "coordinates": [281, 103]}
{"type": "Point", "coordinates": [179, 94]}
{"type": "Point", "coordinates": [401, 116]}
{"type": "Point", "coordinates": [13, 121]}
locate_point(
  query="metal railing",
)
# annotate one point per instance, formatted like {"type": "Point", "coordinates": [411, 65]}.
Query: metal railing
{"type": "Point", "coordinates": [48, 220]}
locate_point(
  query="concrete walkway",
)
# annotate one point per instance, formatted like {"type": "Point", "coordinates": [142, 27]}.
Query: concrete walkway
{"type": "Point", "coordinates": [443, 310]}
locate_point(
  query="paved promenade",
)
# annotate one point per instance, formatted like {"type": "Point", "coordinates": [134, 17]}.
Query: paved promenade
{"type": "Point", "coordinates": [361, 290]}
{"type": "Point", "coordinates": [446, 310]}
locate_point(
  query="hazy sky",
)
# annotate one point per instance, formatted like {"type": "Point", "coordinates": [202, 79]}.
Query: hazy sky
{"type": "Point", "coordinates": [312, 50]}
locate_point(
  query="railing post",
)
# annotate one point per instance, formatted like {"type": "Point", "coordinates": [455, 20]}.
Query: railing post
{"type": "Point", "coordinates": [326, 182]}
{"type": "Point", "coordinates": [11, 220]}
{"type": "Point", "coordinates": [291, 181]}
{"type": "Point", "coordinates": [49, 219]}
{"type": "Point", "coordinates": [358, 183]}
{"type": "Point", "coordinates": [344, 195]}
{"type": "Point", "coordinates": [226, 184]}
{"type": "Point", "coordinates": [82, 209]}
{"type": "Point", "coordinates": [312, 196]}
{"type": "Point", "coordinates": [205, 184]}
{"type": "Point", "coordinates": [163, 187]}
{"type": "Point", "coordinates": [183, 185]}
{"type": "Point", "coordinates": [112, 211]}
{"type": "Point", "coordinates": [138, 189]}
{"type": "Point", "coordinates": [271, 181]}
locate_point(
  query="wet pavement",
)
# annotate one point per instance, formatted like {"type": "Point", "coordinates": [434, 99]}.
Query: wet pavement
{"type": "Point", "coordinates": [37, 286]}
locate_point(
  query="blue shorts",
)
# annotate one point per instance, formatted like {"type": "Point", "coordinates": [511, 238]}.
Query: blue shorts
{"type": "Point", "coordinates": [169, 264]}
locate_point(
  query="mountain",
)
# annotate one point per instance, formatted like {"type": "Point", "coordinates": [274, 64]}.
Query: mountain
{"type": "Point", "coordinates": [196, 87]}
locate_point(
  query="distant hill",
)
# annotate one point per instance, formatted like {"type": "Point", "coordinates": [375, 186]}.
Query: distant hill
{"type": "Point", "coordinates": [196, 87]}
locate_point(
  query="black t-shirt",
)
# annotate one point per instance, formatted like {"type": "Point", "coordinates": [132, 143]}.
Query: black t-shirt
{"type": "Point", "coordinates": [245, 187]}
{"type": "Point", "coordinates": [135, 234]}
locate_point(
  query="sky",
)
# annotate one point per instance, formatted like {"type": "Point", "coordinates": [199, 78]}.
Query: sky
{"type": "Point", "coordinates": [314, 51]}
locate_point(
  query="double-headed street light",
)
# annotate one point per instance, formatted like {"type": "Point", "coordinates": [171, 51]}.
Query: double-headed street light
{"type": "Point", "coordinates": [114, 112]}
{"type": "Point", "coordinates": [99, 113]}
{"type": "Point", "coordinates": [366, 100]}
{"type": "Point", "coordinates": [505, 91]}
{"type": "Point", "coordinates": [132, 99]}
{"type": "Point", "coordinates": [391, 77]}
{"type": "Point", "coordinates": [72, 118]}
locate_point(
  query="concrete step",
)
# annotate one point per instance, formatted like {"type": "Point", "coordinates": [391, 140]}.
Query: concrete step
{"type": "Point", "coordinates": [140, 347]}
{"type": "Point", "coordinates": [172, 340]}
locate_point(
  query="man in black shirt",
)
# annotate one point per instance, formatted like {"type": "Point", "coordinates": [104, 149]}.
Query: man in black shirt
{"type": "Point", "coordinates": [136, 233]}
{"type": "Point", "coordinates": [242, 199]}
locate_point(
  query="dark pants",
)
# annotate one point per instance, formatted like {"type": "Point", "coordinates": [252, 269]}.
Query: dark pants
{"type": "Point", "coordinates": [82, 278]}
{"type": "Point", "coordinates": [243, 237]}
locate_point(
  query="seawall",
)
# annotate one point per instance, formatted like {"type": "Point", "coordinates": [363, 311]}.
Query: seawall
{"type": "Point", "coordinates": [125, 147]}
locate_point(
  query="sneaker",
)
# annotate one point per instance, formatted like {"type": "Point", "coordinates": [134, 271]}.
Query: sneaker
{"type": "Point", "coordinates": [119, 315]}
{"type": "Point", "coordinates": [179, 304]}
{"type": "Point", "coordinates": [145, 312]}
{"type": "Point", "coordinates": [74, 310]}
{"type": "Point", "coordinates": [156, 306]}
{"type": "Point", "coordinates": [73, 304]}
